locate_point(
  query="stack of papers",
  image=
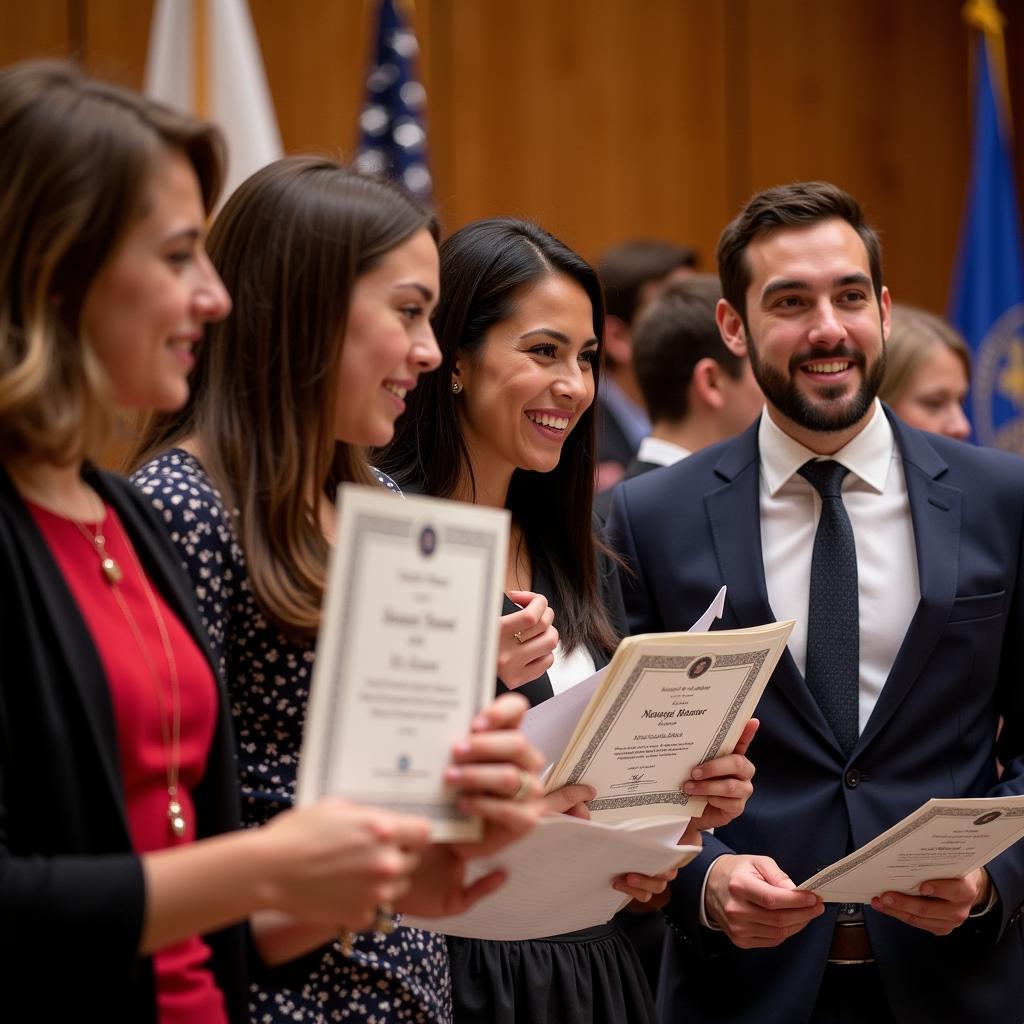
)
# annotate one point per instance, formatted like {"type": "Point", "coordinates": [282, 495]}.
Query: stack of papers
{"type": "Point", "coordinates": [560, 878]}
{"type": "Point", "coordinates": [665, 703]}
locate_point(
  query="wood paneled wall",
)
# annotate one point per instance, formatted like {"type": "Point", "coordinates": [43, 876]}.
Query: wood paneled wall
{"type": "Point", "coordinates": [606, 119]}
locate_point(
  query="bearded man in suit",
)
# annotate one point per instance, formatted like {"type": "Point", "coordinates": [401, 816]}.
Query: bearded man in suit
{"type": "Point", "coordinates": [899, 554]}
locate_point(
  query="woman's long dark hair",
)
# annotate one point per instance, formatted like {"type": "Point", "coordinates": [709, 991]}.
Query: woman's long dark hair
{"type": "Point", "coordinates": [290, 244]}
{"type": "Point", "coordinates": [485, 269]}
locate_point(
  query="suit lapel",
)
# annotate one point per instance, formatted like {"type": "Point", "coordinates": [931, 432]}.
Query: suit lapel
{"type": "Point", "coordinates": [734, 514]}
{"type": "Point", "coordinates": [935, 513]}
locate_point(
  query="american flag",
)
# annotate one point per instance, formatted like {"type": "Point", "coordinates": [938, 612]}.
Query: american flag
{"type": "Point", "coordinates": [393, 139]}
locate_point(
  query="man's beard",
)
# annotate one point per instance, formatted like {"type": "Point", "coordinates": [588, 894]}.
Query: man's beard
{"type": "Point", "coordinates": [820, 415]}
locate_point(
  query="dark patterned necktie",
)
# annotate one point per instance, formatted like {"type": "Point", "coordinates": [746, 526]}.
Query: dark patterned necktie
{"type": "Point", "coordinates": [833, 614]}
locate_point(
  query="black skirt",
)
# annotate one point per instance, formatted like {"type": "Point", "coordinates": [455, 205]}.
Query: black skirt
{"type": "Point", "coordinates": [587, 977]}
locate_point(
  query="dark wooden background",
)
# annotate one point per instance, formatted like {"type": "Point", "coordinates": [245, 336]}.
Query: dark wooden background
{"type": "Point", "coordinates": [605, 119]}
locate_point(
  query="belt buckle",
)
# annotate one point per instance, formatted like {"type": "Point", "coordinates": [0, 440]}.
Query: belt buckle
{"type": "Point", "coordinates": [853, 913]}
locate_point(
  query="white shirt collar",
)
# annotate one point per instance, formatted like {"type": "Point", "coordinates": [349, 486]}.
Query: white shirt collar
{"type": "Point", "coordinates": [664, 453]}
{"type": "Point", "coordinates": [868, 456]}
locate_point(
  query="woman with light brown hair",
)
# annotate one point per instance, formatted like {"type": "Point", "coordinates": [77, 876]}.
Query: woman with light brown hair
{"type": "Point", "coordinates": [125, 886]}
{"type": "Point", "coordinates": [334, 275]}
{"type": "Point", "coordinates": [927, 373]}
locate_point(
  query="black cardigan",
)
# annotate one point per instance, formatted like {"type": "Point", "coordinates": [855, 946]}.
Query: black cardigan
{"type": "Point", "coordinates": [72, 894]}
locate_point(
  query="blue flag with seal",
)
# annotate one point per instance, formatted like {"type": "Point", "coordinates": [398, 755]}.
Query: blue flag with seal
{"type": "Point", "coordinates": [393, 139]}
{"type": "Point", "coordinates": [988, 292]}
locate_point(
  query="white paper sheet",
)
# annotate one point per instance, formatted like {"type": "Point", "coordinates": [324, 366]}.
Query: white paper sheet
{"type": "Point", "coordinates": [560, 877]}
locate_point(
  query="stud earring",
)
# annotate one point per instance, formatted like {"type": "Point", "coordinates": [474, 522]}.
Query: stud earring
{"type": "Point", "coordinates": [456, 387]}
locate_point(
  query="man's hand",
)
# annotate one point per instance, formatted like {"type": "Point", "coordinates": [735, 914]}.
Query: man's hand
{"type": "Point", "coordinates": [755, 902]}
{"type": "Point", "coordinates": [725, 783]}
{"type": "Point", "coordinates": [944, 904]}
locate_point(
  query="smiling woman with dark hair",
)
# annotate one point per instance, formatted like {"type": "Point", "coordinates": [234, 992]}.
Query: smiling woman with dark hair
{"type": "Point", "coordinates": [489, 411]}
{"type": "Point", "coordinates": [509, 422]}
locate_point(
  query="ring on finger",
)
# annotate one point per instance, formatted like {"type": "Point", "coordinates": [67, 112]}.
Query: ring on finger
{"type": "Point", "coordinates": [525, 786]}
{"type": "Point", "coordinates": [518, 636]}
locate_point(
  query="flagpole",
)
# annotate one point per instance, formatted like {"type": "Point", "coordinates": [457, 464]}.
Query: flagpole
{"type": "Point", "coordinates": [76, 31]}
{"type": "Point", "coordinates": [985, 16]}
{"type": "Point", "coordinates": [200, 62]}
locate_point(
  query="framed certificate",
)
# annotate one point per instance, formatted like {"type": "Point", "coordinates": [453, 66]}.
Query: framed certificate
{"type": "Point", "coordinates": [406, 654]}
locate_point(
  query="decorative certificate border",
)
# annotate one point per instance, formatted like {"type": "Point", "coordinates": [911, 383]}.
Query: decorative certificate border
{"type": "Point", "coordinates": [369, 527]}
{"type": "Point", "coordinates": [911, 826]}
{"type": "Point", "coordinates": [669, 663]}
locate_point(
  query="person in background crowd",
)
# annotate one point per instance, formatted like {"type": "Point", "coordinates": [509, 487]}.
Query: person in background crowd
{"type": "Point", "coordinates": [927, 373]}
{"type": "Point", "coordinates": [334, 276]}
{"type": "Point", "coordinates": [695, 390]}
{"type": "Point", "coordinates": [898, 554]}
{"type": "Point", "coordinates": [508, 422]}
{"type": "Point", "coordinates": [126, 889]}
{"type": "Point", "coordinates": [631, 274]}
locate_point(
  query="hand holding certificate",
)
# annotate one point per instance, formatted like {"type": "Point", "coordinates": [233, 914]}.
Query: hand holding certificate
{"type": "Point", "coordinates": [406, 653]}
{"type": "Point", "coordinates": [941, 839]}
{"type": "Point", "coordinates": [560, 876]}
{"type": "Point", "coordinates": [666, 703]}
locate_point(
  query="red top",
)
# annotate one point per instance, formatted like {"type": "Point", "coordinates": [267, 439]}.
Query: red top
{"type": "Point", "coordinates": [186, 989]}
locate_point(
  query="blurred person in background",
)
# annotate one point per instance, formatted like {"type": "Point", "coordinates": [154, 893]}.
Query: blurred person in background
{"type": "Point", "coordinates": [631, 274]}
{"type": "Point", "coordinates": [695, 390]}
{"type": "Point", "coordinates": [927, 373]}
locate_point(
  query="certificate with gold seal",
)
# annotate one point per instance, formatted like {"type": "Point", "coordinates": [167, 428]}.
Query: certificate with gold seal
{"type": "Point", "coordinates": [406, 652]}
{"type": "Point", "coordinates": [941, 839]}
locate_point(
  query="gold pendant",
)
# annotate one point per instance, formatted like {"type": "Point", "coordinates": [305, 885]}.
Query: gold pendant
{"type": "Point", "coordinates": [111, 570]}
{"type": "Point", "coordinates": [176, 818]}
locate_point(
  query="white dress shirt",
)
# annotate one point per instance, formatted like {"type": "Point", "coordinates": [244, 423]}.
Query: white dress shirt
{"type": "Point", "coordinates": [664, 453]}
{"type": "Point", "coordinates": [875, 496]}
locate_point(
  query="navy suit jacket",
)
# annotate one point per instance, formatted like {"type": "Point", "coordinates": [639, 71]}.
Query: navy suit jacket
{"type": "Point", "coordinates": [691, 527]}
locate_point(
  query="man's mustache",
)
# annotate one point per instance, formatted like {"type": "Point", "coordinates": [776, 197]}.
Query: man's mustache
{"type": "Point", "coordinates": [855, 356]}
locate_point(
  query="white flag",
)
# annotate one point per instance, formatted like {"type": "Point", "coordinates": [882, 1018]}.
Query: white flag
{"type": "Point", "coordinates": [225, 83]}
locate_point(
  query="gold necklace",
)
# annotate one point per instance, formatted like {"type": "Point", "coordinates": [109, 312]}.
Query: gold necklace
{"type": "Point", "coordinates": [170, 734]}
{"type": "Point", "coordinates": [111, 570]}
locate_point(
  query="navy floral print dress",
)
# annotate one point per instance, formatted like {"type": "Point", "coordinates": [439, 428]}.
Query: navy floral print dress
{"type": "Point", "coordinates": [395, 978]}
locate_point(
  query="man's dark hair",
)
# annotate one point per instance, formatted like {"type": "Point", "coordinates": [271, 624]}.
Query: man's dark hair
{"type": "Point", "coordinates": [798, 205]}
{"type": "Point", "coordinates": [674, 333]}
{"type": "Point", "coordinates": [625, 269]}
